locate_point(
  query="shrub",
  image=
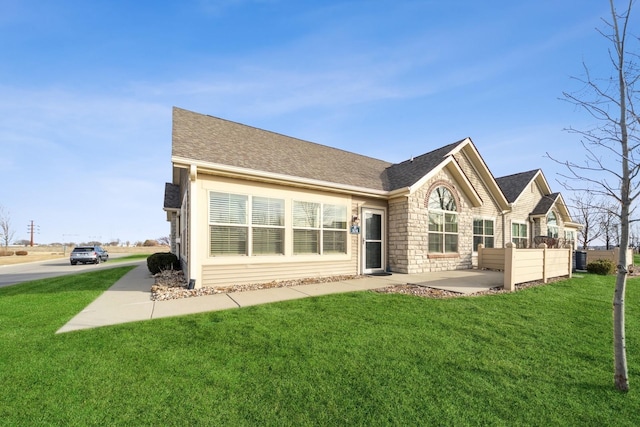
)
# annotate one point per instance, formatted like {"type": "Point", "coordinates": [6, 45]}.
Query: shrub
{"type": "Point", "coordinates": [162, 261]}
{"type": "Point", "coordinates": [601, 266]}
{"type": "Point", "coordinates": [5, 253]}
{"type": "Point", "coordinates": [21, 253]}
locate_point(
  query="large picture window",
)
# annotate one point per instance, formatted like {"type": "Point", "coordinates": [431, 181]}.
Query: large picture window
{"type": "Point", "coordinates": [483, 233]}
{"type": "Point", "coordinates": [519, 235]}
{"type": "Point", "coordinates": [443, 221]}
{"type": "Point", "coordinates": [258, 226]}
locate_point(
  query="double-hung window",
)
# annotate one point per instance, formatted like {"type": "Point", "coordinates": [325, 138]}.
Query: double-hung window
{"type": "Point", "coordinates": [552, 225]}
{"type": "Point", "coordinates": [443, 221]}
{"type": "Point", "coordinates": [267, 226]}
{"type": "Point", "coordinates": [306, 228]}
{"type": "Point", "coordinates": [482, 233]}
{"type": "Point", "coordinates": [244, 225]}
{"type": "Point", "coordinates": [570, 237]}
{"type": "Point", "coordinates": [334, 229]}
{"type": "Point", "coordinates": [319, 228]}
{"type": "Point", "coordinates": [519, 235]}
{"type": "Point", "coordinates": [228, 224]}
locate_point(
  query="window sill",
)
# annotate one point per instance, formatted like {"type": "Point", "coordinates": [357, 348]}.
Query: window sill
{"type": "Point", "coordinates": [441, 256]}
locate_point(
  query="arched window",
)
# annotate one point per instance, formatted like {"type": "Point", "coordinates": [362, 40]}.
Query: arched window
{"type": "Point", "coordinates": [552, 225]}
{"type": "Point", "coordinates": [443, 221]}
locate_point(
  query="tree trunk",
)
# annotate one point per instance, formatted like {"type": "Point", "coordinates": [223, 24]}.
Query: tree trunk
{"type": "Point", "coordinates": [621, 379]}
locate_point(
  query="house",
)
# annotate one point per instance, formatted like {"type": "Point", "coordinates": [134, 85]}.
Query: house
{"type": "Point", "coordinates": [248, 205]}
{"type": "Point", "coordinates": [536, 212]}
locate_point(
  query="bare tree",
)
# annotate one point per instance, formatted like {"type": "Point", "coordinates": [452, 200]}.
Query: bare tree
{"type": "Point", "coordinates": [612, 151]}
{"type": "Point", "coordinates": [587, 213]}
{"type": "Point", "coordinates": [609, 225]}
{"type": "Point", "coordinates": [6, 230]}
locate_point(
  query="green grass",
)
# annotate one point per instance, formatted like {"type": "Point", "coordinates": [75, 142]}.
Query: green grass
{"type": "Point", "coordinates": [135, 257]}
{"type": "Point", "coordinates": [538, 357]}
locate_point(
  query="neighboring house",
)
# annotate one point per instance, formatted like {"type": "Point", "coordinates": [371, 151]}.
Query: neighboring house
{"type": "Point", "coordinates": [537, 214]}
{"type": "Point", "coordinates": [248, 205]}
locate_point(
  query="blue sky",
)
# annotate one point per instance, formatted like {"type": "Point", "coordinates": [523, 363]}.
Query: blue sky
{"type": "Point", "coordinates": [87, 87]}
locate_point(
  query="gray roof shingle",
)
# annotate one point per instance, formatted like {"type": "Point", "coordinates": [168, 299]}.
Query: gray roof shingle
{"type": "Point", "coordinates": [210, 139]}
{"type": "Point", "coordinates": [171, 196]}
{"type": "Point", "coordinates": [513, 185]}
{"type": "Point", "coordinates": [545, 204]}
{"type": "Point", "coordinates": [411, 171]}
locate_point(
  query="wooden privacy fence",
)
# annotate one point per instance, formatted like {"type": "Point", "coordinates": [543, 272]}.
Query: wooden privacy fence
{"type": "Point", "coordinates": [611, 255]}
{"type": "Point", "coordinates": [526, 265]}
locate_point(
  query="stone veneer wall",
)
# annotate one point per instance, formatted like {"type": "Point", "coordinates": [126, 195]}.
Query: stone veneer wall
{"type": "Point", "coordinates": [398, 235]}
{"type": "Point", "coordinates": [409, 232]}
{"type": "Point", "coordinates": [173, 233]}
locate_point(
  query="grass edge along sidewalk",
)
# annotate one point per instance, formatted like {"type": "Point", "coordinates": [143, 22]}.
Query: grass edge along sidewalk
{"type": "Point", "coordinates": [541, 356]}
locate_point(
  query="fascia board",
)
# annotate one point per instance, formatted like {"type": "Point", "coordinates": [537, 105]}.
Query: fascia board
{"type": "Point", "coordinates": [486, 176]}
{"type": "Point", "coordinates": [275, 178]}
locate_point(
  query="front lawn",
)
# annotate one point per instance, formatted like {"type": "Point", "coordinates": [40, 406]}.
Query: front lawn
{"type": "Point", "coordinates": [541, 356]}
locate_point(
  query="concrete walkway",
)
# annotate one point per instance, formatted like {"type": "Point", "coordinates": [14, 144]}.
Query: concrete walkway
{"type": "Point", "coordinates": [129, 299]}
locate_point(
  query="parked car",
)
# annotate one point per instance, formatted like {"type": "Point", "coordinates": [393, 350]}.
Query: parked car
{"type": "Point", "coordinates": [88, 255]}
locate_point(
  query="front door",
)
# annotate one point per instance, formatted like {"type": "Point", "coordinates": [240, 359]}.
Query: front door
{"type": "Point", "coordinates": [373, 259]}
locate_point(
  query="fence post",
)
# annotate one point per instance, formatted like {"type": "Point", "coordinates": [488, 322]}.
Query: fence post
{"type": "Point", "coordinates": [480, 255]}
{"type": "Point", "coordinates": [543, 246]}
{"type": "Point", "coordinates": [509, 267]}
{"type": "Point", "coordinates": [570, 251]}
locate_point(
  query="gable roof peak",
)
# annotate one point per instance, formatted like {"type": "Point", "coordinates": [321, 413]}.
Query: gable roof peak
{"type": "Point", "coordinates": [408, 172]}
{"type": "Point", "coordinates": [513, 185]}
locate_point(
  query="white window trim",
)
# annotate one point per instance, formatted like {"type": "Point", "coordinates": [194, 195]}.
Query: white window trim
{"type": "Point", "coordinates": [320, 228]}
{"type": "Point", "coordinates": [473, 234]}
{"type": "Point", "coordinates": [526, 225]}
{"type": "Point", "coordinates": [288, 230]}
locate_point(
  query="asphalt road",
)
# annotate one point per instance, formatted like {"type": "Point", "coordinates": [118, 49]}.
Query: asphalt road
{"type": "Point", "coordinates": [18, 273]}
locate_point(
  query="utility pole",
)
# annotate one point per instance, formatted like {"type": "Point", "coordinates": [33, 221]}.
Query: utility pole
{"type": "Point", "coordinates": [31, 228]}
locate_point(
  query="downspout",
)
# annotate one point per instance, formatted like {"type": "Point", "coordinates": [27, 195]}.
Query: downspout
{"type": "Point", "coordinates": [195, 268]}
{"type": "Point", "coordinates": [504, 225]}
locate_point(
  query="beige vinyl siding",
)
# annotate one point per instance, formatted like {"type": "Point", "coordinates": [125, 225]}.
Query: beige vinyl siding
{"type": "Point", "coordinates": [221, 270]}
{"type": "Point", "coordinates": [523, 206]}
{"type": "Point", "coordinates": [489, 208]}
{"type": "Point", "coordinates": [224, 275]}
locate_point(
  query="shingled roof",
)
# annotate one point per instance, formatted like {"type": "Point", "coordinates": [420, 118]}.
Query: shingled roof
{"type": "Point", "coordinates": [171, 196]}
{"type": "Point", "coordinates": [411, 171]}
{"type": "Point", "coordinates": [513, 185]}
{"type": "Point", "coordinates": [217, 141]}
{"type": "Point", "coordinates": [545, 204]}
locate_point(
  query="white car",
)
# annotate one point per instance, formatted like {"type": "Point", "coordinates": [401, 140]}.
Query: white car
{"type": "Point", "coordinates": [88, 255]}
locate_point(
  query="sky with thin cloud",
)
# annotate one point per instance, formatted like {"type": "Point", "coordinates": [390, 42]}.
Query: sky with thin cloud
{"type": "Point", "coordinates": [87, 88]}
